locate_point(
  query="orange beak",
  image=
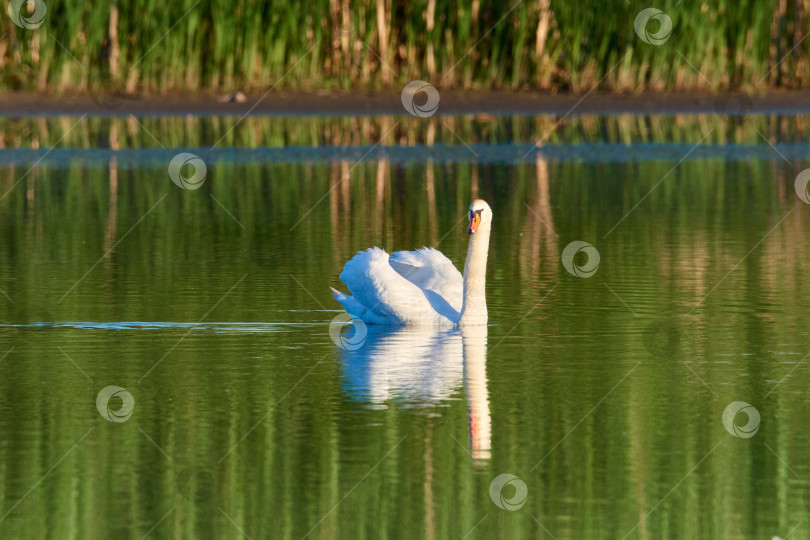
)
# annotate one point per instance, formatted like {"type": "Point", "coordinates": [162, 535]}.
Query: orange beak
{"type": "Point", "coordinates": [475, 221]}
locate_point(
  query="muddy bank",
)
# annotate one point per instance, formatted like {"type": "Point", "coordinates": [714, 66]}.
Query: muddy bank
{"type": "Point", "coordinates": [361, 103]}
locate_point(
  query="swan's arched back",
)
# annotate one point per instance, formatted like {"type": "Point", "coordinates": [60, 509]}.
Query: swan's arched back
{"type": "Point", "coordinates": [381, 295]}
{"type": "Point", "coordinates": [430, 270]}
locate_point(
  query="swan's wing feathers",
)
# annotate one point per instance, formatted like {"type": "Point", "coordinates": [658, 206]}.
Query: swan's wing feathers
{"type": "Point", "coordinates": [426, 267]}
{"type": "Point", "coordinates": [386, 296]}
{"type": "Point", "coordinates": [431, 270]}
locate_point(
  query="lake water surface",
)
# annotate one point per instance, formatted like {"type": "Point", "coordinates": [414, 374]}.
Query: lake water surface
{"type": "Point", "coordinates": [244, 409]}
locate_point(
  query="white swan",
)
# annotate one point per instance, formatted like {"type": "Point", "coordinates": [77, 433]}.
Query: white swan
{"type": "Point", "coordinates": [420, 287]}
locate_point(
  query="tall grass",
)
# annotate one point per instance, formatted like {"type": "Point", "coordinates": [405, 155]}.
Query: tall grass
{"type": "Point", "coordinates": [151, 46]}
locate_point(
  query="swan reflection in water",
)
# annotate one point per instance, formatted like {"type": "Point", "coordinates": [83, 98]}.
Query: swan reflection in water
{"type": "Point", "coordinates": [423, 366]}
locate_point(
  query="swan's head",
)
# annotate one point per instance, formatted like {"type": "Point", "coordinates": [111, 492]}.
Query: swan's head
{"type": "Point", "coordinates": [480, 212]}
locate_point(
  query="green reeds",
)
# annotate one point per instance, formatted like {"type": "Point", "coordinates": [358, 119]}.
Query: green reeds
{"type": "Point", "coordinates": [150, 46]}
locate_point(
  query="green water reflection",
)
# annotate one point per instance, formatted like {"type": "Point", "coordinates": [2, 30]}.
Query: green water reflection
{"type": "Point", "coordinates": [604, 395]}
{"type": "Point", "coordinates": [400, 130]}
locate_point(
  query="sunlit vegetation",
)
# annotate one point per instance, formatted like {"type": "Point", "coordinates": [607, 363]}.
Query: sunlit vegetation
{"type": "Point", "coordinates": [553, 45]}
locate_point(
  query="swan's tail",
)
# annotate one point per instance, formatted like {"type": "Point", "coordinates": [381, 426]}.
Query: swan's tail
{"type": "Point", "coordinates": [351, 305]}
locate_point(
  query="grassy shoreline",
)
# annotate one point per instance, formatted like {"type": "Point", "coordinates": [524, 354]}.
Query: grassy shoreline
{"type": "Point", "coordinates": [547, 45]}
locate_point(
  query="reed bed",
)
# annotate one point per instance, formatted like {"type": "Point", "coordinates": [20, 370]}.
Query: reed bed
{"type": "Point", "coordinates": [147, 46]}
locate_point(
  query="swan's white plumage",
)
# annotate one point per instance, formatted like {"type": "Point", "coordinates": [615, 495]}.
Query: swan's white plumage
{"type": "Point", "coordinates": [430, 270]}
{"type": "Point", "coordinates": [381, 295]}
{"type": "Point", "coordinates": [420, 287]}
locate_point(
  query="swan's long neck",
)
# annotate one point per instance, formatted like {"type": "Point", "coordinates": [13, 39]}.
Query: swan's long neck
{"type": "Point", "coordinates": [474, 306]}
